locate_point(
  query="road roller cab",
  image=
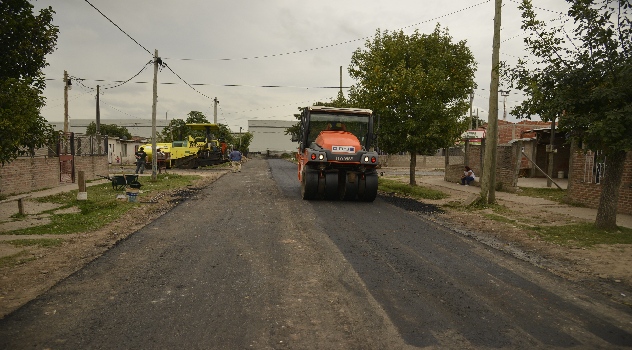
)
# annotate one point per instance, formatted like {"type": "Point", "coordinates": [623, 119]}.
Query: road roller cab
{"type": "Point", "coordinates": [335, 158]}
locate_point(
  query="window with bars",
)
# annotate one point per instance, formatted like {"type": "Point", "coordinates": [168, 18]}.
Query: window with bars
{"type": "Point", "coordinates": [594, 167]}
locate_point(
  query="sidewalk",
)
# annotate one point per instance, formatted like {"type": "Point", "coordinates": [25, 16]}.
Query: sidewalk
{"type": "Point", "coordinates": [589, 214]}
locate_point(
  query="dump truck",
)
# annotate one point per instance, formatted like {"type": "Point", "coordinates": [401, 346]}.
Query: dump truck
{"type": "Point", "coordinates": [193, 152]}
{"type": "Point", "coordinates": [335, 156]}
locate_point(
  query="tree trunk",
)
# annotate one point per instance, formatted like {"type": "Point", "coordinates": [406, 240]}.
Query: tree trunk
{"type": "Point", "coordinates": [608, 201]}
{"type": "Point", "coordinates": [413, 166]}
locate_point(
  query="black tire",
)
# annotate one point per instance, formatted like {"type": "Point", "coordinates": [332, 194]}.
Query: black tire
{"type": "Point", "coordinates": [347, 191]}
{"type": "Point", "coordinates": [309, 184]}
{"type": "Point", "coordinates": [331, 186]}
{"type": "Point", "coordinates": [368, 188]}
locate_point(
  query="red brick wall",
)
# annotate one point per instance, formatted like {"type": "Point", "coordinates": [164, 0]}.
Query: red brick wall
{"type": "Point", "coordinates": [588, 194]}
{"type": "Point", "coordinates": [508, 131]}
{"type": "Point", "coordinates": [92, 166]}
{"type": "Point", "coordinates": [506, 172]}
{"type": "Point", "coordinates": [31, 174]}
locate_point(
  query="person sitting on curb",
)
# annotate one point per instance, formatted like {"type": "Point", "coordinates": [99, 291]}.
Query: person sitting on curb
{"type": "Point", "coordinates": [468, 176]}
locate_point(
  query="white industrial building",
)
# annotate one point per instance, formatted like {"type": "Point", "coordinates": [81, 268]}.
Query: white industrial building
{"type": "Point", "coordinates": [269, 136]}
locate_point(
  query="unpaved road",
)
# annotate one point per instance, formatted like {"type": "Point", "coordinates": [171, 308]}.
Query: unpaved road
{"type": "Point", "coordinates": [246, 264]}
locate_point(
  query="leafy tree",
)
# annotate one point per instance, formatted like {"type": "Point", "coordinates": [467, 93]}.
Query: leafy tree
{"type": "Point", "coordinates": [419, 87]}
{"type": "Point", "coordinates": [175, 131]}
{"type": "Point", "coordinates": [243, 142]}
{"type": "Point", "coordinates": [224, 134]}
{"type": "Point", "coordinates": [584, 76]}
{"type": "Point", "coordinates": [196, 117]}
{"type": "Point", "coordinates": [25, 40]}
{"type": "Point", "coordinates": [110, 130]}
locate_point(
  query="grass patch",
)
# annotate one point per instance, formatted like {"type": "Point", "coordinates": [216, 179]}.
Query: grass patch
{"type": "Point", "coordinates": [101, 208]}
{"type": "Point", "coordinates": [15, 259]}
{"type": "Point", "coordinates": [419, 192]}
{"type": "Point", "coordinates": [583, 235]}
{"type": "Point", "coordinates": [500, 218]}
{"type": "Point", "coordinates": [44, 242]}
{"type": "Point", "coordinates": [552, 194]}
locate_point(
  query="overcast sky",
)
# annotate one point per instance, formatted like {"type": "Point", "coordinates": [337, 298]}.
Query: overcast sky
{"type": "Point", "coordinates": [224, 42]}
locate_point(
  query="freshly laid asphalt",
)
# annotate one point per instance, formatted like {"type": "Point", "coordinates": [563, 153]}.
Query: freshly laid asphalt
{"type": "Point", "coordinates": [431, 179]}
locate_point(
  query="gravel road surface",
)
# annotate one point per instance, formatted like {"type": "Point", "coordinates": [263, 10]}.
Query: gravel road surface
{"type": "Point", "coordinates": [246, 264]}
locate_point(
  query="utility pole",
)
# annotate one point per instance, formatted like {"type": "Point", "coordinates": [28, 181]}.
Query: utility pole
{"type": "Point", "coordinates": [66, 83]}
{"type": "Point", "coordinates": [340, 80]}
{"type": "Point", "coordinates": [240, 138]}
{"type": "Point", "coordinates": [551, 153]}
{"type": "Point", "coordinates": [215, 103]}
{"type": "Point", "coordinates": [504, 94]}
{"type": "Point", "coordinates": [98, 113]}
{"type": "Point", "coordinates": [154, 159]}
{"type": "Point", "coordinates": [488, 180]}
{"type": "Point", "coordinates": [469, 124]}
{"type": "Point", "coordinates": [98, 123]}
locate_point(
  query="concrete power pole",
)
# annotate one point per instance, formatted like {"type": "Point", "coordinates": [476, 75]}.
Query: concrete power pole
{"type": "Point", "coordinates": [551, 154]}
{"type": "Point", "coordinates": [488, 180]}
{"type": "Point", "coordinates": [98, 113]}
{"type": "Point", "coordinates": [340, 80]}
{"type": "Point", "coordinates": [154, 159]}
{"type": "Point", "coordinates": [65, 102]}
{"type": "Point", "coordinates": [504, 94]}
{"type": "Point", "coordinates": [215, 103]}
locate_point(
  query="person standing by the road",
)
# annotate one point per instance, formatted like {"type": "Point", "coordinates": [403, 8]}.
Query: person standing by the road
{"type": "Point", "coordinates": [235, 159]}
{"type": "Point", "coordinates": [141, 158]}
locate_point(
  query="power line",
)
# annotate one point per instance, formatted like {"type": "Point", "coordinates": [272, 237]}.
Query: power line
{"type": "Point", "coordinates": [80, 80]}
{"type": "Point", "coordinates": [116, 82]}
{"type": "Point", "coordinates": [116, 25]}
{"type": "Point", "coordinates": [326, 46]}
{"type": "Point", "coordinates": [539, 8]}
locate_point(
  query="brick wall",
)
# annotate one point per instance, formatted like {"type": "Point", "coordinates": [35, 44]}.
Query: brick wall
{"type": "Point", "coordinates": [506, 167]}
{"type": "Point", "coordinates": [588, 194]}
{"type": "Point", "coordinates": [508, 131]}
{"type": "Point", "coordinates": [423, 162]}
{"type": "Point", "coordinates": [31, 174]}
{"type": "Point", "coordinates": [92, 166]}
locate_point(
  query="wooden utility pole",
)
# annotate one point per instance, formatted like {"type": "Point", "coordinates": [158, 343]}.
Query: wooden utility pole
{"type": "Point", "coordinates": [488, 179]}
{"type": "Point", "coordinates": [154, 159]}
{"type": "Point", "coordinates": [215, 103]}
{"type": "Point", "coordinates": [65, 102]}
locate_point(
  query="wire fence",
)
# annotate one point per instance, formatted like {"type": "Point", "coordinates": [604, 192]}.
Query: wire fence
{"type": "Point", "coordinates": [70, 144]}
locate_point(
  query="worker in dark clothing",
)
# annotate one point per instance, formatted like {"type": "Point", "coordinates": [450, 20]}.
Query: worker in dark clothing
{"type": "Point", "coordinates": [141, 159]}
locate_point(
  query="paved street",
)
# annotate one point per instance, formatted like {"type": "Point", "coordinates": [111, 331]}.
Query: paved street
{"type": "Point", "coordinates": [247, 264]}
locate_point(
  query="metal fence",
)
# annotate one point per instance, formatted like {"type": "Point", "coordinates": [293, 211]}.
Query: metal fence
{"type": "Point", "coordinates": [456, 155]}
{"type": "Point", "coordinates": [71, 144]}
{"type": "Point", "coordinates": [594, 167]}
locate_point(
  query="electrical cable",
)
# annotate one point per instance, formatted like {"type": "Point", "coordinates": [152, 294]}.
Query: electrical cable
{"type": "Point", "coordinates": [326, 46]}
{"type": "Point", "coordinates": [116, 109]}
{"type": "Point", "coordinates": [116, 25]}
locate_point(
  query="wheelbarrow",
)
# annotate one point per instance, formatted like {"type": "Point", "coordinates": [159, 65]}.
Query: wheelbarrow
{"type": "Point", "coordinates": [119, 182]}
